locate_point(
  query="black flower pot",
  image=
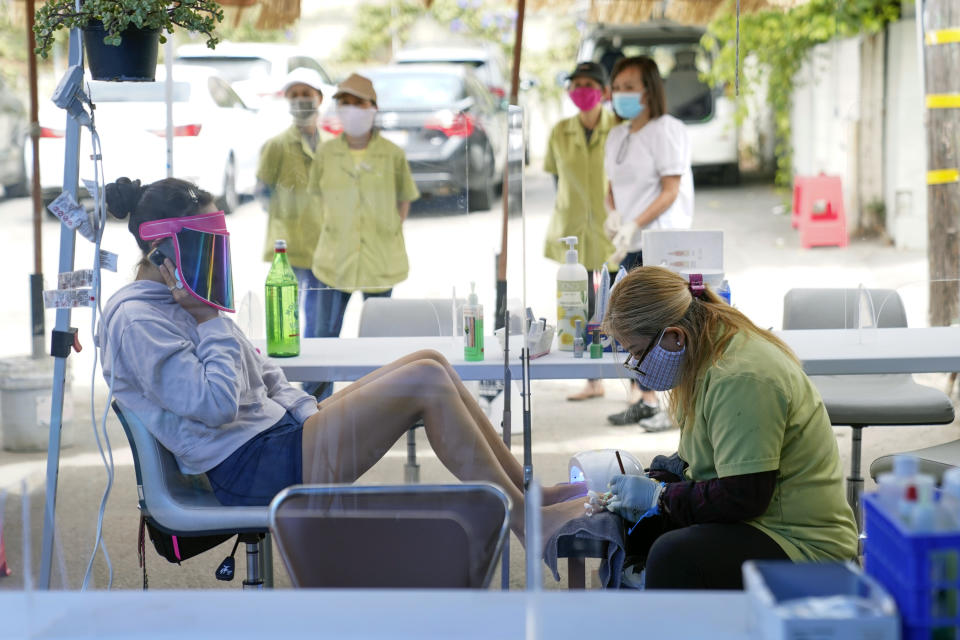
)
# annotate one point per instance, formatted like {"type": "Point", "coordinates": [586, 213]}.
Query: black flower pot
{"type": "Point", "coordinates": [134, 60]}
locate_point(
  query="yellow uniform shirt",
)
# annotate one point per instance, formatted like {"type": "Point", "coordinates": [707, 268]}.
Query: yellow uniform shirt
{"type": "Point", "coordinates": [757, 411]}
{"type": "Point", "coordinates": [294, 212]}
{"type": "Point", "coordinates": [361, 241]}
{"type": "Point", "coordinates": [581, 187]}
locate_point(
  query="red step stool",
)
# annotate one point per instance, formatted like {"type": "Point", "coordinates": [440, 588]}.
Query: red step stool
{"type": "Point", "coordinates": [818, 211]}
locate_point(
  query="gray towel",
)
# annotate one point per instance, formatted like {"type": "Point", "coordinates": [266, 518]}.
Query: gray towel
{"type": "Point", "coordinates": [605, 526]}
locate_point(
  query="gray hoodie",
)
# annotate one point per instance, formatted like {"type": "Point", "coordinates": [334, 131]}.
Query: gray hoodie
{"type": "Point", "coordinates": [201, 390]}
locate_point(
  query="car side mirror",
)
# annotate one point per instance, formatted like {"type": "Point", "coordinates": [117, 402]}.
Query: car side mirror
{"type": "Point", "coordinates": [561, 79]}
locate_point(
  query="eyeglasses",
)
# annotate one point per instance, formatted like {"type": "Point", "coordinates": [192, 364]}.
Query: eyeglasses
{"type": "Point", "coordinates": [633, 363]}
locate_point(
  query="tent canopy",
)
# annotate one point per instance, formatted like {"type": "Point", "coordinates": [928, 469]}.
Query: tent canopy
{"type": "Point", "coordinates": [633, 11]}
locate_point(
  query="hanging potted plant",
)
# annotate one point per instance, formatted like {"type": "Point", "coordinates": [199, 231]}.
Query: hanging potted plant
{"type": "Point", "coordinates": [121, 37]}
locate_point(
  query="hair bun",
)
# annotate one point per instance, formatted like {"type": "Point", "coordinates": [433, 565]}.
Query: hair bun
{"type": "Point", "coordinates": [122, 196]}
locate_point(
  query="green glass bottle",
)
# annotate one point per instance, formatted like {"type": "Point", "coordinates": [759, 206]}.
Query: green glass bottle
{"type": "Point", "coordinates": [283, 308]}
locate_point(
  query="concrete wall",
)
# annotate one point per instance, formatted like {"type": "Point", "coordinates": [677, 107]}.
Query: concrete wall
{"type": "Point", "coordinates": [846, 112]}
{"type": "Point", "coordinates": [826, 112]}
{"type": "Point", "coordinates": [905, 153]}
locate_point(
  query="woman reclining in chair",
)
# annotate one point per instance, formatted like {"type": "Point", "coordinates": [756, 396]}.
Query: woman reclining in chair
{"type": "Point", "coordinates": [223, 409]}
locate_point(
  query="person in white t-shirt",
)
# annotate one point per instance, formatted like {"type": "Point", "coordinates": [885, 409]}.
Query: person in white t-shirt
{"type": "Point", "coordinates": [647, 160]}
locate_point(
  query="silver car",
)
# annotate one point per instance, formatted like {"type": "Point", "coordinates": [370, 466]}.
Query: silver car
{"type": "Point", "coordinates": [13, 133]}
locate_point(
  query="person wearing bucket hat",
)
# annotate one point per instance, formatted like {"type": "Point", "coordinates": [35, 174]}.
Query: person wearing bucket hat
{"type": "Point", "coordinates": [293, 211]}
{"type": "Point", "coordinates": [366, 188]}
{"type": "Point", "coordinates": [575, 158]}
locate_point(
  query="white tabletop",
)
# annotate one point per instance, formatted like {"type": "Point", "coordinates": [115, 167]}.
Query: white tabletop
{"type": "Point", "coordinates": [823, 352]}
{"type": "Point", "coordinates": [401, 614]}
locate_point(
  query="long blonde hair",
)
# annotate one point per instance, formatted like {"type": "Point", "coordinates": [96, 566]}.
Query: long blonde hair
{"type": "Point", "coordinates": [649, 299]}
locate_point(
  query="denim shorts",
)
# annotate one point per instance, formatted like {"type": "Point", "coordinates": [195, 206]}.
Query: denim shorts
{"type": "Point", "coordinates": [266, 464]}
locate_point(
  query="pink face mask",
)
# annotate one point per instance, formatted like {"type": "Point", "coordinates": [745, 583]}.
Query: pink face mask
{"type": "Point", "coordinates": [586, 98]}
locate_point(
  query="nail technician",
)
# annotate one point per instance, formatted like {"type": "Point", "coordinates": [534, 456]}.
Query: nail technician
{"type": "Point", "coordinates": [757, 472]}
{"type": "Point", "coordinates": [366, 186]}
{"type": "Point", "coordinates": [647, 159]}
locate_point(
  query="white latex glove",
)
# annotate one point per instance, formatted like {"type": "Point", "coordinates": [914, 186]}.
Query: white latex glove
{"type": "Point", "coordinates": [612, 224]}
{"type": "Point", "coordinates": [624, 236]}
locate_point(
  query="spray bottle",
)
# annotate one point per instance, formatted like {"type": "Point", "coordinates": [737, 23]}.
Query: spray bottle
{"type": "Point", "coordinates": [571, 296]}
{"type": "Point", "coordinates": [472, 328]}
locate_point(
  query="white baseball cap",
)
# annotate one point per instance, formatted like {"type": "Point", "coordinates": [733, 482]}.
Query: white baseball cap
{"type": "Point", "coordinates": [303, 75]}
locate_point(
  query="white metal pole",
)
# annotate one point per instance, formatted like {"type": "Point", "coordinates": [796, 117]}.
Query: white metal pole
{"type": "Point", "coordinates": [71, 171]}
{"type": "Point", "coordinates": [168, 87]}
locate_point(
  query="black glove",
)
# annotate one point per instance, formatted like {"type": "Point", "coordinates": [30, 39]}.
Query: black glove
{"type": "Point", "coordinates": [671, 464]}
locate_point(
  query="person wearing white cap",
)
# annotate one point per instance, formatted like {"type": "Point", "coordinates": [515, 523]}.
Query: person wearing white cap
{"type": "Point", "coordinates": [367, 188]}
{"type": "Point", "coordinates": [293, 210]}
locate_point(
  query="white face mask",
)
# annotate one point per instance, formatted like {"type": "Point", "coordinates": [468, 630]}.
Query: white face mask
{"type": "Point", "coordinates": [303, 110]}
{"type": "Point", "coordinates": [356, 121]}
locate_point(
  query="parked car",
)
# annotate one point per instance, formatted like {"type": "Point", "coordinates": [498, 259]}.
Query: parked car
{"type": "Point", "coordinates": [215, 141]}
{"type": "Point", "coordinates": [13, 133]}
{"type": "Point", "coordinates": [487, 63]}
{"type": "Point", "coordinates": [256, 70]}
{"type": "Point", "coordinates": [448, 124]}
{"type": "Point", "coordinates": [708, 113]}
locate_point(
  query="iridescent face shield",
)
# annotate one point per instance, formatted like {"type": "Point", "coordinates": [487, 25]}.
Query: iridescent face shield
{"type": "Point", "coordinates": [201, 247]}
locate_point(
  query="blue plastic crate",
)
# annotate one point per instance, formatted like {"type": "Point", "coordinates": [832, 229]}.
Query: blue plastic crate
{"type": "Point", "coordinates": [920, 570]}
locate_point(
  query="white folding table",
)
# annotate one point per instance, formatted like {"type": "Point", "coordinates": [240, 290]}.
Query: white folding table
{"type": "Point", "coordinates": [822, 351]}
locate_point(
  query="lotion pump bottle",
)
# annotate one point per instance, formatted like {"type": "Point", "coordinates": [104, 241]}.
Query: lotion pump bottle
{"type": "Point", "coordinates": [472, 328]}
{"type": "Point", "coordinates": [571, 296]}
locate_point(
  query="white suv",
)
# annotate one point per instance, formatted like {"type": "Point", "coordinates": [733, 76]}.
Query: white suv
{"type": "Point", "coordinates": [708, 113]}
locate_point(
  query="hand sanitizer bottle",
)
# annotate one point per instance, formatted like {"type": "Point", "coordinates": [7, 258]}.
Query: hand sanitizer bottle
{"type": "Point", "coordinates": [571, 296]}
{"type": "Point", "coordinates": [472, 328]}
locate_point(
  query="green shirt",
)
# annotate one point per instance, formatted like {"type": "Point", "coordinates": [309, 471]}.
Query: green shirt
{"type": "Point", "coordinates": [579, 208]}
{"type": "Point", "coordinates": [294, 212]}
{"type": "Point", "coordinates": [361, 240]}
{"type": "Point", "coordinates": [757, 411]}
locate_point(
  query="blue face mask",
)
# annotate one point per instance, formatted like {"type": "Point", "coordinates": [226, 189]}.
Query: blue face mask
{"type": "Point", "coordinates": [628, 105]}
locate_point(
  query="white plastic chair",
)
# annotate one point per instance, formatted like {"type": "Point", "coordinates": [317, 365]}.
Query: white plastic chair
{"type": "Point", "coordinates": [186, 506]}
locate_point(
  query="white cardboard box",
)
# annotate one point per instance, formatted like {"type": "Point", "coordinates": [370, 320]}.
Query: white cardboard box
{"type": "Point", "coordinates": [826, 601]}
{"type": "Point", "coordinates": [683, 249]}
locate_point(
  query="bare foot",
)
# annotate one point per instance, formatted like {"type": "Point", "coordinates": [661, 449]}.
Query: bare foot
{"type": "Point", "coordinates": [563, 492]}
{"type": "Point", "coordinates": [592, 389]}
{"type": "Point", "coordinates": [555, 516]}
{"type": "Point", "coordinates": [552, 518]}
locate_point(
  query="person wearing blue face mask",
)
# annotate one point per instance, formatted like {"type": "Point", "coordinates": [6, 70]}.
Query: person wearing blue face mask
{"type": "Point", "coordinates": [647, 160]}
{"type": "Point", "coordinates": [757, 471]}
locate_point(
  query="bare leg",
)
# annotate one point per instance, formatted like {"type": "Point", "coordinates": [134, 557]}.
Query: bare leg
{"type": "Point", "coordinates": [511, 466]}
{"type": "Point", "coordinates": [354, 430]}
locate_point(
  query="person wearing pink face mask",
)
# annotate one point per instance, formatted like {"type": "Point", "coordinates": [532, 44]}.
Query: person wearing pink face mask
{"type": "Point", "coordinates": [575, 158]}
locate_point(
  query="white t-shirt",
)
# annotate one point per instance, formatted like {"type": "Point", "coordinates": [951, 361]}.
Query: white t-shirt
{"type": "Point", "coordinates": [660, 148]}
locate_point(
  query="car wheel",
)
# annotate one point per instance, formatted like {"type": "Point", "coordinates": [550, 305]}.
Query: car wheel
{"type": "Point", "coordinates": [731, 174]}
{"type": "Point", "coordinates": [482, 199]}
{"type": "Point", "coordinates": [18, 189]}
{"type": "Point", "coordinates": [230, 200]}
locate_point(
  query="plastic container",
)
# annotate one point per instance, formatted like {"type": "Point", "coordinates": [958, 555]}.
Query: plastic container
{"type": "Point", "coordinates": [473, 327]}
{"type": "Point", "coordinates": [807, 600]}
{"type": "Point", "coordinates": [571, 296]}
{"type": "Point", "coordinates": [26, 397]}
{"type": "Point", "coordinates": [920, 570]}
